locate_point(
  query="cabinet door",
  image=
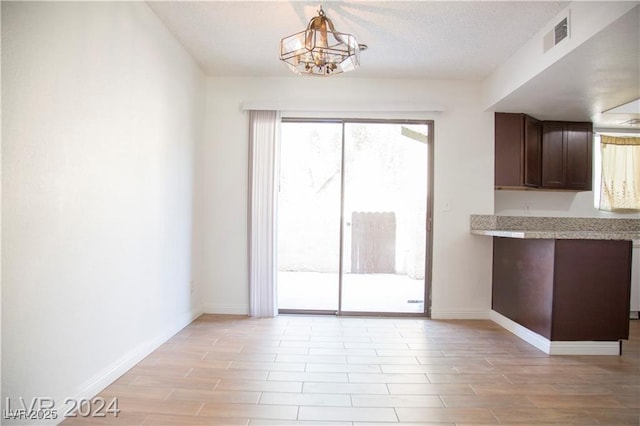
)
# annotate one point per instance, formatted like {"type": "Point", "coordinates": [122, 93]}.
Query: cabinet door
{"type": "Point", "coordinates": [579, 141]}
{"type": "Point", "coordinates": [553, 154]}
{"type": "Point", "coordinates": [532, 151]}
{"type": "Point", "coordinates": [508, 149]}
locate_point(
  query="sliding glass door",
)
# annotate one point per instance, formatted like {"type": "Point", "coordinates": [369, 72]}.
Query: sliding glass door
{"type": "Point", "coordinates": [385, 216]}
{"type": "Point", "coordinates": [353, 215]}
{"type": "Point", "coordinates": [309, 216]}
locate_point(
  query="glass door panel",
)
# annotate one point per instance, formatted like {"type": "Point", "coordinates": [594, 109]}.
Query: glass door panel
{"type": "Point", "coordinates": [385, 217]}
{"type": "Point", "coordinates": [309, 216]}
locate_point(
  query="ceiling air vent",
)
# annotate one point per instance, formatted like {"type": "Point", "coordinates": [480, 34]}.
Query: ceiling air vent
{"type": "Point", "coordinates": [559, 32]}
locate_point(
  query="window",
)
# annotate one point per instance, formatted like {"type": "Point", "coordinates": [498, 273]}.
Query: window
{"type": "Point", "coordinates": [618, 171]}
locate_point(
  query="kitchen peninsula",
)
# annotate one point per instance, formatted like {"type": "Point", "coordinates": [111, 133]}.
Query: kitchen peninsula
{"type": "Point", "coordinates": [562, 284]}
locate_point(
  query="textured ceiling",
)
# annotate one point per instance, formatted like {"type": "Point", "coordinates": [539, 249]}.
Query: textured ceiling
{"type": "Point", "coordinates": [463, 40]}
{"type": "Point", "coordinates": [417, 39]}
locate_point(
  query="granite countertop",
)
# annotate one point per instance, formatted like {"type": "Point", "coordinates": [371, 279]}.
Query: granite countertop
{"type": "Point", "coordinates": [558, 228]}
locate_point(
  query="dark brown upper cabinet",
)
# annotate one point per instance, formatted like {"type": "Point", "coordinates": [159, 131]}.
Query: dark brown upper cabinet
{"type": "Point", "coordinates": [533, 154]}
{"type": "Point", "coordinates": [566, 155]}
{"type": "Point", "coordinates": [518, 150]}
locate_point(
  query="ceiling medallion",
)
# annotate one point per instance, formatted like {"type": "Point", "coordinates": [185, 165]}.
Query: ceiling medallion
{"type": "Point", "coordinates": [320, 50]}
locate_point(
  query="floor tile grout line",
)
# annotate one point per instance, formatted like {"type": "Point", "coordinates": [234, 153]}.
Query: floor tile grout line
{"type": "Point", "coordinates": [199, 409]}
{"type": "Point", "coordinates": [216, 385]}
{"type": "Point", "coordinates": [494, 415]}
{"type": "Point", "coordinates": [473, 389]}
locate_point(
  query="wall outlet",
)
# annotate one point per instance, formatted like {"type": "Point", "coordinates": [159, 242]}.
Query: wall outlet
{"type": "Point", "coordinates": [527, 207]}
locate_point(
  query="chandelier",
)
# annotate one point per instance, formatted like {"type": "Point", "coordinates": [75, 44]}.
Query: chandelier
{"type": "Point", "coordinates": [320, 50]}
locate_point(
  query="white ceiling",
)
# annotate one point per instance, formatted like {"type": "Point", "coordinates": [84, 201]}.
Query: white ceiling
{"type": "Point", "coordinates": [421, 39]}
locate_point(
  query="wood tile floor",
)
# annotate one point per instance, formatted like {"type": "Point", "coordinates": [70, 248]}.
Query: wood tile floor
{"type": "Point", "coordinates": [313, 370]}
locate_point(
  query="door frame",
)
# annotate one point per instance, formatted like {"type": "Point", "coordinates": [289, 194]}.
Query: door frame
{"type": "Point", "coordinates": [428, 225]}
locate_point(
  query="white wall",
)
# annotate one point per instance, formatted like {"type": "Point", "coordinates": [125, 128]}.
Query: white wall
{"type": "Point", "coordinates": [102, 109]}
{"type": "Point", "coordinates": [463, 157]}
{"type": "Point", "coordinates": [543, 203]}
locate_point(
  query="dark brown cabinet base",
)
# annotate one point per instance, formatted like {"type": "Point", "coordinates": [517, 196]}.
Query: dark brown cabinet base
{"type": "Point", "coordinates": [564, 290]}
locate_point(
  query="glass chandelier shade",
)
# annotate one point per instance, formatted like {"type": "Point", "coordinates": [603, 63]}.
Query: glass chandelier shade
{"type": "Point", "coordinates": [320, 50]}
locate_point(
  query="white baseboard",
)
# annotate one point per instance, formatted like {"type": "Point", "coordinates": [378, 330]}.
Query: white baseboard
{"type": "Point", "coordinates": [524, 333]}
{"type": "Point", "coordinates": [585, 348]}
{"type": "Point", "coordinates": [556, 347]}
{"type": "Point", "coordinates": [212, 308]}
{"type": "Point", "coordinates": [461, 315]}
{"type": "Point", "coordinates": [111, 373]}
{"type": "Point", "coordinates": [93, 386]}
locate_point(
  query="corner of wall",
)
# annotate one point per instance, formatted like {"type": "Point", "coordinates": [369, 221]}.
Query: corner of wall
{"type": "Point", "coordinates": [460, 315]}
{"type": "Point", "coordinates": [110, 373]}
{"type": "Point", "coordinates": [225, 309]}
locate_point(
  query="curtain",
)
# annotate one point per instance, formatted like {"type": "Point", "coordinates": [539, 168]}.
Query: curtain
{"type": "Point", "coordinates": [620, 185]}
{"type": "Point", "coordinates": [263, 139]}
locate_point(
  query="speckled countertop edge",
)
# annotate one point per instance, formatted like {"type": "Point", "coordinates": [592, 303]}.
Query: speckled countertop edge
{"type": "Point", "coordinates": [533, 227]}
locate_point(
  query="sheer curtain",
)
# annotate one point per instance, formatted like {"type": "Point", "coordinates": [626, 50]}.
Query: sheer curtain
{"type": "Point", "coordinates": [263, 140]}
{"type": "Point", "coordinates": [620, 184]}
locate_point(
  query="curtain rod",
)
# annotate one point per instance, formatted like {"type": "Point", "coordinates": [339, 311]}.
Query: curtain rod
{"type": "Point", "coordinates": [328, 106]}
{"type": "Point", "coordinates": [615, 131]}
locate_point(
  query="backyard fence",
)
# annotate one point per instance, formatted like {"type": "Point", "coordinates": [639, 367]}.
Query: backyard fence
{"type": "Point", "coordinates": [373, 242]}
